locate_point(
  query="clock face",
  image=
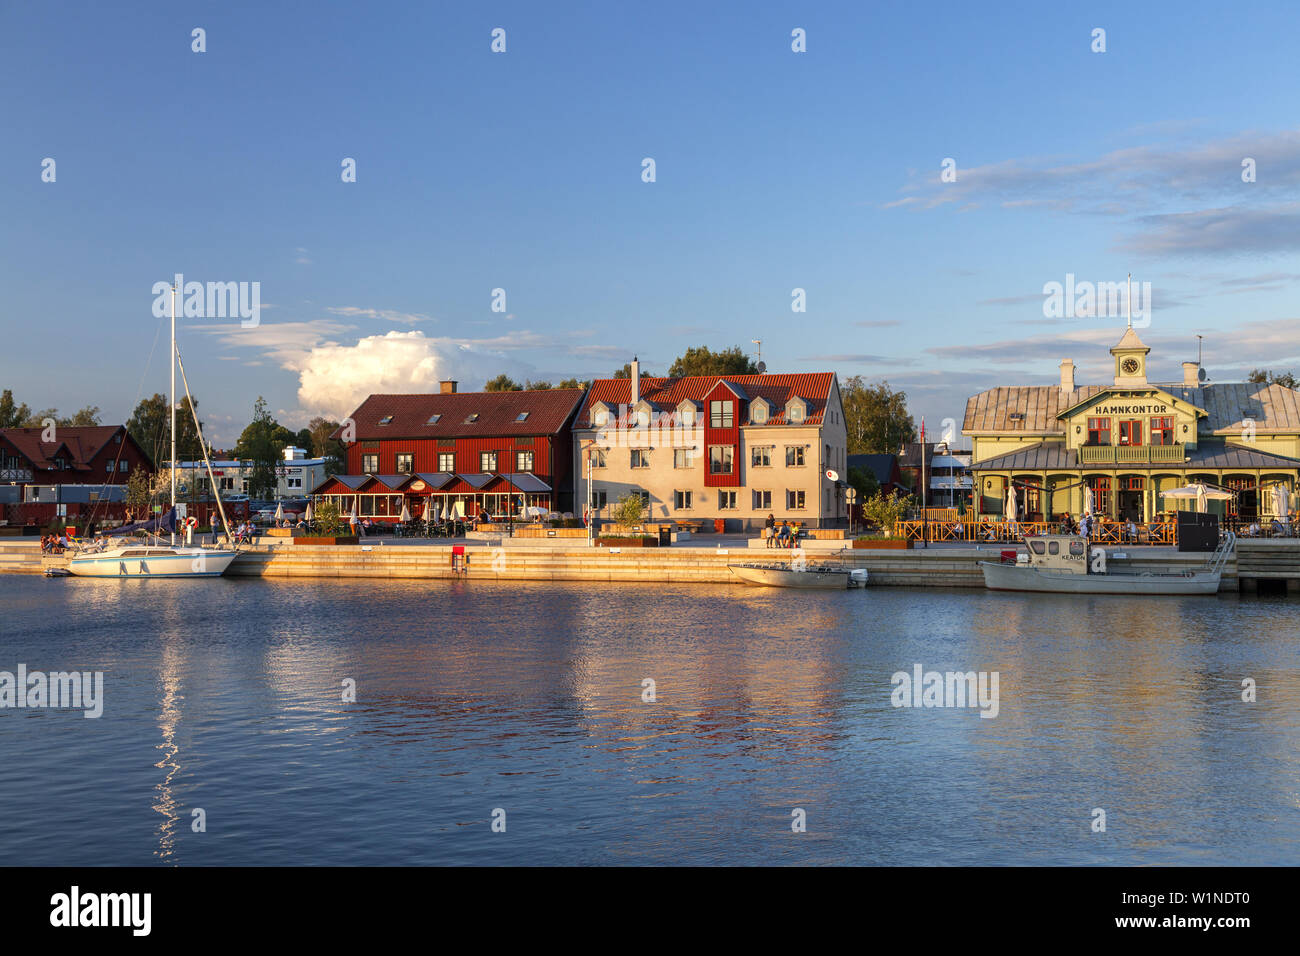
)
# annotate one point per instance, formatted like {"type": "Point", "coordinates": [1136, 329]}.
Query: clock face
{"type": "Point", "coordinates": [1130, 366]}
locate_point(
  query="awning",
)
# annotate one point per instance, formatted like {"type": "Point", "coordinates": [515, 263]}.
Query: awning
{"type": "Point", "coordinates": [527, 482]}
{"type": "Point", "coordinates": [476, 479]}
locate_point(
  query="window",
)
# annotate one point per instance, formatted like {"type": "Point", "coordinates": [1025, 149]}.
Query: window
{"type": "Point", "coordinates": [640, 458]}
{"type": "Point", "coordinates": [794, 500]}
{"type": "Point", "coordinates": [386, 420]}
{"type": "Point", "coordinates": [762, 501]}
{"type": "Point", "coordinates": [487, 461]}
{"type": "Point", "coordinates": [600, 416]}
{"type": "Point", "coordinates": [471, 418]}
{"type": "Point", "coordinates": [794, 456]}
{"type": "Point", "coordinates": [123, 465]}
{"type": "Point", "coordinates": [1099, 431]}
{"type": "Point", "coordinates": [683, 457]}
{"type": "Point", "coordinates": [682, 500]}
{"type": "Point", "coordinates": [293, 482]}
{"type": "Point", "coordinates": [726, 501]}
{"type": "Point", "coordinates": [599, 499]}
{"type": "Point", "coordinates": [722, 414]}
{"type": "Point", "coordinates": [598, 458]}
{"type": "Point", "coordinates": [1100, 494]}
{"type": "Point", "coordinates": [1162, 431]}
{"type": "Point", "coordinates": [369, 464]}
{"type": "Point", "coordinates": [524, 461]}
{"type": "Point", "coordinates": [758, 413]}
{"type": "Point", "coordinates": [1130, 433]}
{"type": "Point", "coordinates": [433, 419]}
{"type": "Point", "coordinates": [521, 417]}
{"type": "Point", "coordinates": [108, 466]}
{"type": "Point", "coordinates": [796, 412]}
{"type": "Point", "coordinates": [405, 463]}
{"type": "Point", "coordinates": [720, 458]}
{"type": "Point", "coordinates": [686, 414]}
{"type": "Point", "coordinates": [760, 456]}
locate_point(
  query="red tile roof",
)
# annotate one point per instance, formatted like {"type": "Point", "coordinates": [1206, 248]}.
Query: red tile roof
{"type": "Point", "coordinates": [548, 414]}
{"type": "Point", "coordinates": [81, 443]}
{"type": "Point", "coordinates": [667, 393]}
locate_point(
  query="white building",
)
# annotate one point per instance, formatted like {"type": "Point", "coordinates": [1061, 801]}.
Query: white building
{"type": "Point", "coordinates": [296, 475]}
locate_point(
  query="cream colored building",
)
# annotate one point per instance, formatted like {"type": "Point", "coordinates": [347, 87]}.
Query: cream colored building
{"type": "Point", "coordinates": [700, 448]}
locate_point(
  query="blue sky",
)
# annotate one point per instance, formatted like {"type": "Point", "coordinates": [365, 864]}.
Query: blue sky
{"type": "Point", "coordinates": [522, 171]}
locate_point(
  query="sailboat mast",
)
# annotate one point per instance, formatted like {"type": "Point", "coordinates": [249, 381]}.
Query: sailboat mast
{"type": "Point", "coordinates": [172, 364]}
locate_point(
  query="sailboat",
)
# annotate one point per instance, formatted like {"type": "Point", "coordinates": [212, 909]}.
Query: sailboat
{"type": "Point", "coordinates": [152, 558]}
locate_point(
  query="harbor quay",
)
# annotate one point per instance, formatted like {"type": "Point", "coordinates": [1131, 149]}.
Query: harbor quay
{"type": "Point", "coordinates": [1269, 566]}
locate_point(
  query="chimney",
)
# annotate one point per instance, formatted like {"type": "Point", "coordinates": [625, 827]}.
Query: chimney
{"type": "Point", "coordinates": [1191, 375]}
{"type": "Point", "coordinates": [1067, 377]}
{"type": "Point", "coordinates": [447, 388]}
{"type": "Point", "coordinates": [635, 369]}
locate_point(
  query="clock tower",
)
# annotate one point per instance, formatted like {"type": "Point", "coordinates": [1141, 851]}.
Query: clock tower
{"type": "Point", "coordinates": [1130, 360]}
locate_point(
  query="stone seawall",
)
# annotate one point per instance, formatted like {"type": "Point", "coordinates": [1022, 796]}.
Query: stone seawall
{"type": "Point", "coordinates": [936, 567]}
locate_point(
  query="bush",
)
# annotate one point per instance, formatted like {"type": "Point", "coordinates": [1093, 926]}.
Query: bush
{"type": "Point", "coordinates": [628, 509]}
{"type": "Point", "coordinates": [884, 511]}
{"type": "Point", "coordinates": [326, 520]}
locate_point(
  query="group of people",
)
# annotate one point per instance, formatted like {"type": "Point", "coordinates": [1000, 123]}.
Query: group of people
{"type": "Point", "coordinates": [51, 544]}
{"type": "Point", "coordinates": [782, 534]}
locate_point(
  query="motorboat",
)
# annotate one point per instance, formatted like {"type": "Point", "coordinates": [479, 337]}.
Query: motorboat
{"type": "Point", "coordinates": [1066, 564]}
{"type": "Point", "coordinates": [821, 577]}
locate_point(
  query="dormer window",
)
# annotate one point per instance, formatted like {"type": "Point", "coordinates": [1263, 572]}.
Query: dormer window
{"type": "Point", "coordinates": [796, 411]}
{"type": "Point", "coordinates": [521, 417]}
{"type": "Point", "coordinates": [600, 416]}
{"type": "Point", "coordinates": [386, 420]}
{"type": "Point", "coordinates": [433, 419]}
{"type": "Point", "coordinates": [758, 412]}
{"type": "Point", "coordinates": [686, 413]}
{"type": "Point", "coordinates": [471, 418]}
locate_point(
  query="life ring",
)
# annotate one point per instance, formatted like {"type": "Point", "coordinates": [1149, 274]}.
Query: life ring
{"type": "Point", "coordinates": [191, 522]}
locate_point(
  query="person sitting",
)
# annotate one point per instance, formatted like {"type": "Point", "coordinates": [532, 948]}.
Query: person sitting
{"type": "Point", "coordinates": [1254, 530]}
{"type": "Point", "coordinates": [1276, 527]}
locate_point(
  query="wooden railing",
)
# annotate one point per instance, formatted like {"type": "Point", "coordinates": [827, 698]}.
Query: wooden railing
{"type": "Point", "coordinates": [1131, 454]}
{"type": "Point", "coordinates": [989, 529]}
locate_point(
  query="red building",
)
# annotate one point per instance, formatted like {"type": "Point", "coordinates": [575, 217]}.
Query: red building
{"type": "Point", "coordinates": [483, 451]}
{"type": "Point", "coordinates": [70, 475]}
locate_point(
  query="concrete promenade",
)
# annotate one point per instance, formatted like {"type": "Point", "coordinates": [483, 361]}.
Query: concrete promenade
{"type": "Point", "coordinates": [702, 560]}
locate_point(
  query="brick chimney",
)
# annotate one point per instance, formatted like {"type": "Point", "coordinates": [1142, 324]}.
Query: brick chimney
{"type": "Point", "coordinates": [1191, 374]}
{"type": "Point", "coordinates": [635, 369]}
{"type": "Point", "coordinates": [1067, 377]}
{"type": "Point", "coordinates": [447, 388]}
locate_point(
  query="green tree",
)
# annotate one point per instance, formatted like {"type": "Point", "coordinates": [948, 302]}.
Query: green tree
{"type": "Point", "coordinates": [262, 443]}
{"type": "Point", "coordinates": [322, 446]}
{"type": "Point", "coordinates": [502, 383]}
{"type": "Point", "coordinates": [626, 372]}
{"type": "Point", "coordinates": [704, 361]}
{"type": "Point", "coordinates": [1286, 379]}
{"type": "Point", "coordinates": [864, 483]}
{"type": "Point", "coordinates": [149, 425]}
{"type": "Point", "coordinates": [573, 383]}
{"type": "Point", "coordinates": [876, 417]}
{"type": "Point", "coordinates": [11, 415]}
{"type": "Point", "coordinates": [531, 386]}
{"type": "Point", "coordinates": [86, 416]}
{"type": "Point", "coordinates": [628, 509]}
{"type": "Point", "coordinates": [885, 511]}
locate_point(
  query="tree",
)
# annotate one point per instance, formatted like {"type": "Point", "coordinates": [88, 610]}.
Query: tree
{"type": "Point", "coordinates": [703, 361]}
{"type": "Point", "coordinates": [628, 509]}
{"type": "Point", "coordinates": [86, 416]}
{"type": "Point", "coordinates": [262, 443]}
{"type": "Point", "coordinates": [502, 383]}
{"type": "Point", "coordinates": [573, 383]}
{"type": "Point", "coordinates": [885, 511]}
{"type": "Point", "coordinates": [626, 372]}
{"type": "Point", "coordinates": [531, 386]}
{"type": "Point", "coordinates": [1285, 379]}
{"type": "Point", "coordinates": [11, 415]}
{"type": "Point", "coordinates": [863, 482]}
{"type": "Point", "coordinates": [322, 446]}
{"type": "Point", "coordinates": [876, 417]}
{"type": "Point", "coordinates": [149, 425]}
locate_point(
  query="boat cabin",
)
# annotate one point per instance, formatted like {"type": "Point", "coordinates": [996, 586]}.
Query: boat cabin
{"type": "Point", "coordinates": [1058, 552]}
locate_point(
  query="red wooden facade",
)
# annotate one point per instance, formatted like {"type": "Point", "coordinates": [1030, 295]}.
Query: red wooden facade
{"type": "Point", "coordinates": [722, 400]}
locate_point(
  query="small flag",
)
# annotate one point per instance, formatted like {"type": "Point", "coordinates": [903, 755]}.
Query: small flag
{"type": "Point", "coordinates": [922, 429]}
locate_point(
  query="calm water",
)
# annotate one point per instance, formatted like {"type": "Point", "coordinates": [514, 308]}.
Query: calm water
{"type": "Point", "coordinates": [226, 696]}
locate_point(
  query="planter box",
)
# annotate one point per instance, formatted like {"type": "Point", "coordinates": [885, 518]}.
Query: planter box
{"type": "Point", "coordinates": [827, 534]}
{"type": "Point", "coordinates": [550, 532]}
{"type": "Point", "coordinates": [282, 533]}
{"type": "Point", "coordinates": [611, 542]}
{"type": "Point", "coordinates": [886, 544]}
{"type": "Point", "coordinates": [336, 539]}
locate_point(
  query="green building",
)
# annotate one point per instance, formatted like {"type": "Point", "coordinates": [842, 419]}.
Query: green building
{"type": "Point", "coordinates": [1131, 440]}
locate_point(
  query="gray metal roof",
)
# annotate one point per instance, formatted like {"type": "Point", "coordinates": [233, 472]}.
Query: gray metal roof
{"type": "Point", "coordinates": [1054, 456]}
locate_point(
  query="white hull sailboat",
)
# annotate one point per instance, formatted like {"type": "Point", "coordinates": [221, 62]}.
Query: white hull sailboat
{"type": "Point", "coordinates": [153, 557]}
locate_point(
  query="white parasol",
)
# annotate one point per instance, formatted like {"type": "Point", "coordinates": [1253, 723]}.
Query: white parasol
{"type": "Point", "coordinates": [1088, 503]}
{"type": "Point", "coordinates": [1280, 503]}
{"type": "Point", "coordinates": [1011, 502]}
{"type": "Point", "coordinates": [405, 516]}
{"type": "Point", "coordinates": [310, 513]}
{"type": "Point", "coordinates": [1199, 493]}
{"type": "Point", "coordinates": [279, 511]}
{"type": "Point", "coordinates": [352, 518]}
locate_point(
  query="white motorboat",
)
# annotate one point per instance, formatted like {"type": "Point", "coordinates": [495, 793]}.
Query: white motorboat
{"type": "Point", "coordinates": [152, 557]}
{"type": "Point", "coordinates": [812, 577]}
{"type": "Point", "coordinates": [1062, 563]}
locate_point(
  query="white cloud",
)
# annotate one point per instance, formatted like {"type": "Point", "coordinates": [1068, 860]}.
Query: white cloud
{"type": "Point", "coordinates": [334, 379]}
